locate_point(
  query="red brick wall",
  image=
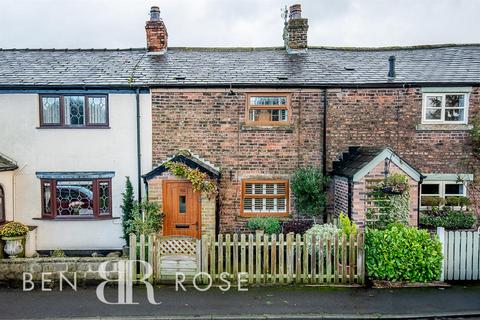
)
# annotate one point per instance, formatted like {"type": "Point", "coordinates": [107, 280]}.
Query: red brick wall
{"type": "Point", "coordinates": [210, 123]}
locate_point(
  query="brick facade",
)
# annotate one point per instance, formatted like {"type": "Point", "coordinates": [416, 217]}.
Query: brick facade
{"type": "Point", "coordinates": [211, 123]}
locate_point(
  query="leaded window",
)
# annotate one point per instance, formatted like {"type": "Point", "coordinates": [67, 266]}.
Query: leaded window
{"type": "Point", "coordinates": [73, 111]}
{"type": "Point", "coordinates": [264, 197]}
{"type": "Point", "coordinates": [268, 109]}
{"type": "Point", "coordinates": [76, 198]}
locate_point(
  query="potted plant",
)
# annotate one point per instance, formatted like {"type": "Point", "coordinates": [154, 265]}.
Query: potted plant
{"type": "Point", "coordinates": [13, 234]}
{"type": "Point", "coordinates": [396, 183]}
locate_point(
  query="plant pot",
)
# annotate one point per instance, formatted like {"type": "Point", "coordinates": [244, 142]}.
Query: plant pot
{"type": "Point", "coordinates": [13, 246]}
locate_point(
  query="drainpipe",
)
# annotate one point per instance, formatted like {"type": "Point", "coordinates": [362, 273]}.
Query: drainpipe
{"type": "Point", "coordinates": [139, 154]}
{"type": "Point", "coordinates": [324, 142]}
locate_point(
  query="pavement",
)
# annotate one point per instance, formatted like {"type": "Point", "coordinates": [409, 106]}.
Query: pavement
{"type": "Point", "coordinates": [256, 303]}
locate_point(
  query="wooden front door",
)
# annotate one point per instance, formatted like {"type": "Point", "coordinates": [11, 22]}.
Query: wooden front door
{"type": "Point", "coordinates": [181, 209]}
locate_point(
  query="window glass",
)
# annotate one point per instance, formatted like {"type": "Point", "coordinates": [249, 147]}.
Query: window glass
{"type": "Point", "coordinates": [74, 198]}
{"type": "Point", "coordinates": [182, 204]}
{"type": "Point", "coordinates": [268, 100]}
{"type": "Point", "coordinates": [265, 197]}
{"type": "Point", "coordinates": [74, 110]}
{"type": "Point", "coordinates": [431, 189]}
{"type": "Point", "coordinates": [104, 197]}
{"type": "Point", "coordinates": [97, 110]}
{"type": "Point", "coordinates": [47, 198]}
{"type": "Point", "coordinates": [445, 107]}
{"type": "Point", "coordinates": [268, 110]}
{"type": "Point", "coordinates": [454, 108]}
{"type": "Point", "coordinates": [51, 110]}
{"type": "Point", "coordinates": [454, 189]}
{"type": "Point", "coordinates": [434, 108]}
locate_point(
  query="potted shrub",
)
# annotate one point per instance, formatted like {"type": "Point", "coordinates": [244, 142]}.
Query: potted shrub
{"type": "Point", "coordinates": [395, 183]}
{"type": "Point", "coordinates": [13, 234]}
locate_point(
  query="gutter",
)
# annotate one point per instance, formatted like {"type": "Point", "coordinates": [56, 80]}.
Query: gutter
{"type": "Point", "coordinates": [139, 152]}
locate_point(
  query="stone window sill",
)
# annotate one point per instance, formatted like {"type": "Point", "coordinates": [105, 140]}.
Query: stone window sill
{"type": "Point", "coordinates": [79, 219]}
{"type": "Point", "coordinates": [249, 127]}
{"type": "Point", "coordinates": [444, 127]}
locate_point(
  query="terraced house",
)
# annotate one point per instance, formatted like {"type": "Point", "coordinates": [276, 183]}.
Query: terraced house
{"type": "Point", "coordinates": [74, 123]}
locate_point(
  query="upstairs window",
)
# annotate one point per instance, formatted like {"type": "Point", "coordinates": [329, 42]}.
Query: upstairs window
{"type": "Point", "coordinates": [264, 197]}
{"type": "Point", "coordinates": [444, 108]}
{"type": "Point", "coordinates": [74, 111]}
{"type": "Point", "coordinates": [268, 109]}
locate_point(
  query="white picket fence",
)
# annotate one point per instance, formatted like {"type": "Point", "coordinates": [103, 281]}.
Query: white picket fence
{"type": "Point", "coordinates": [461, 254]}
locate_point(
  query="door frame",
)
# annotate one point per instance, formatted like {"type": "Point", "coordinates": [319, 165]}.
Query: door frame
{"type": "Point", "coordinates": [198, 197]}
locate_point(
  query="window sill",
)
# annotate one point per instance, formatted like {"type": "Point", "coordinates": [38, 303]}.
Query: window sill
{"type": "Point", "coordinates": [78, 219]}
{"type": "Point", "coordinates": [444, 127]}
{"type": "Point", "coordinates": [257, 127]}
{"type": "Point", "coordinates": [70, 128]}
{"type": "Point", "coordinates": [261, 215]}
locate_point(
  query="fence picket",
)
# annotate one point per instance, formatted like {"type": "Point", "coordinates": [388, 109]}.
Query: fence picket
{"type": "Point", "coordinates": [220, 254]}
{"type": "Point", "coordinates": [289, 258]}
{"type": "Point", "coordinates": [228, 249]}
{"type": "Point", "coordinates": [280, 258]}
{"type": "Point", "coordinates": [235, 256]}
{"type": "Point", "coordinates": [133, 255]}
{"type": "Point", "coordinates": [313, 259]}
{"type": "Point", "coordinates": [243, 255]}
{"type": "Point", "coordinates": [344, 258]}
{"type": "Point", "coordinates": [328, 256]}
{"type": "Point", "coordinates": [469, 257]}
{"type": "Point", "coordinates": [273, 258]}
{"type": "Point", "coordinates": [321, 251]}
{"type": "Point", "coordinates": [335, 259]}
{"type": "Point", "coordinates": [305, 259]}
{"type": "Point", "coordinates": [142, 256]}
{"type": "Point", "coordinates": [212, 258]}
{"type": "Point", "coordinates": [298, 258]}
{"type": "Point", "coordinates": [456, 270]}
{"type": "Point", "coordinates": [451, 255]}
{"type": "Point", "coordinates": [265, 258]}
{"type": "Point", "coordinates": [150, 259]}
{"type": "Point", "coordinates": [258, 260]}
{"type": "Point", "coordinates": [205, 244]}
{"type": "Point", "coordinates": [463, 252]}
{"type": "Point", "coordinates": [351, 261]}
{"type": "Point", "coordinates": [361, 258]}
{"type": "Point", "coordinates": [476, 267]}
{"type": "Point", "coordinates": [250, 258]}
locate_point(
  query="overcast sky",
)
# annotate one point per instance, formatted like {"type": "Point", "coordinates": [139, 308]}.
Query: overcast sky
{"type": "Point", "coordinates": [229, 23]}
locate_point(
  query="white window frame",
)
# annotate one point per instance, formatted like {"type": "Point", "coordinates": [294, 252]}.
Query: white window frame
{"type": "Point", "coordinates": [441, 190]}
{"type": "Point", "coordinates": [426, 95]}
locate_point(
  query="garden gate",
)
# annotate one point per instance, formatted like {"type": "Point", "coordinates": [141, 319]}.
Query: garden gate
{"type": "Point", "coordinates": [461, 254]}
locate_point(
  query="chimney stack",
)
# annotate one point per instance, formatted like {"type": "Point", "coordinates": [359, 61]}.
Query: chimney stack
{"type": "Point", "coordinates": [295, 31]}
{"type": "Point", "coordinates": [157, 36]}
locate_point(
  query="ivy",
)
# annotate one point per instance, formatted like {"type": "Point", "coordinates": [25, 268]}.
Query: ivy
{"type": "Point", "coordinates": [199, 180]}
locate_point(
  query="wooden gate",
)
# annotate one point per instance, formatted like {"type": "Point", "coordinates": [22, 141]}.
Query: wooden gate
{"type": "Point", "coordinates": [176, 254]}
{"type": "Point", "coordinates": [461, 254]}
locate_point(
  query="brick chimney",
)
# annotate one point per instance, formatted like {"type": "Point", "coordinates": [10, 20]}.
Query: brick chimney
{"type": "Point", "coordinates": [295, 31]}
{"type": "Point", "coordinates": [157, 36]}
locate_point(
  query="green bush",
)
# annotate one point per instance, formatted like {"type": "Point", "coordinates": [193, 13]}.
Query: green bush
{"type": "Point", "coordinates": [449, 219]}
{"type": "Point", "coordinates": [309, 187]}
{"type": "Point", "coordinates": [321, 231]}
{"type": "Point", "coordinates": [147, 218]}
{"type": "Point", "coordinates": [269, 225]}
{"type": "Point", "coordinates": [347, 227]}
{"type": "Point", "coordinates": [401, 253]}
{"type": "Point", "coordinates": [128, 201]}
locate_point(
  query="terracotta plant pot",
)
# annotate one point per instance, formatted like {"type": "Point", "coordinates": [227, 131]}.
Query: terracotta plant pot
{"type": "Point", "coordinates": [13, 246]}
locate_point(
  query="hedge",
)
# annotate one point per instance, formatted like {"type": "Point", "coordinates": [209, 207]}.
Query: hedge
{"type": "Point", "coordinates": [401, 253]}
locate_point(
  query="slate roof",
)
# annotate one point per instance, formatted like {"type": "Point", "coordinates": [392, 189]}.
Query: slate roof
{"type": "Point", "coordinates": [239, 66]}
{"type": "Point", "coordinates": [358, 158]}
{"type": "Point", "coordinates": [6, 164]}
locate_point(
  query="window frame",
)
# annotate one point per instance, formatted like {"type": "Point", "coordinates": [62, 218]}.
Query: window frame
{"type": "Point", "coordinates": [288, 107]}
{"type": "Point", "coordinates": [62, 124]}
{"type": "Point", "coordinates": [426, 95]}
{"type": "Point", "coordinates": [441, 190]}
{"type": "Point", "coordinates": [52, 215]}
{"type": "Point", "coordinates": [3, 217]}
{"type": "Point", "coordinates": [265, 214]}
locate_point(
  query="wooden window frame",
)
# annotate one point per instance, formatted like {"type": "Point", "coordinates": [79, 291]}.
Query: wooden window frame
{"type": "Point", "coordinates": [2, 205]}
{"type": "Point", "coordinates": [87, 124]}
{"type": "Point", "coordinates": [266, 214]}
{"type": "Point", "coordinates": [52, 215]}
{"type": "Point", "coordinates": [287, 107]}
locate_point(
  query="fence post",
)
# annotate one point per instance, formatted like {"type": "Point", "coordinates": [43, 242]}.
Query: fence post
{"type": "Point", "coordinates": [150, 257]}
{"type": "Point", "coordinates": [133, 255]}
{"type": "Point", "coordinates": [441, 236]}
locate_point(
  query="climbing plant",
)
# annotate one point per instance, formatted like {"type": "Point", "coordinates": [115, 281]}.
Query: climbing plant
{"type": "Point", "coordinates": [391, 202]}
{"type": "Point", "coordinates": [199, 180]}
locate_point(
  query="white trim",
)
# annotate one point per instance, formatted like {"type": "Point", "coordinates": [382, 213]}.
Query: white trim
{"type": "Point", "coordinates": [441, 190]}
{"type": "Point", "coordinates": [446, 89]}
{"type": "Point", "coordinates": [387, 154]}
{"type": "Point", "coordinates": [466, 99]}
{"type": "Point", "coordinates": [448, 177]}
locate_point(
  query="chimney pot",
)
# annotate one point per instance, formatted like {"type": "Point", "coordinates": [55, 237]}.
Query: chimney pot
{"type": "Point", "coordinates": [155, 13]}
{"type": "Point", "coordinates": [296, 11]}
{"type": "Point", "coordinates": [391, 67]}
